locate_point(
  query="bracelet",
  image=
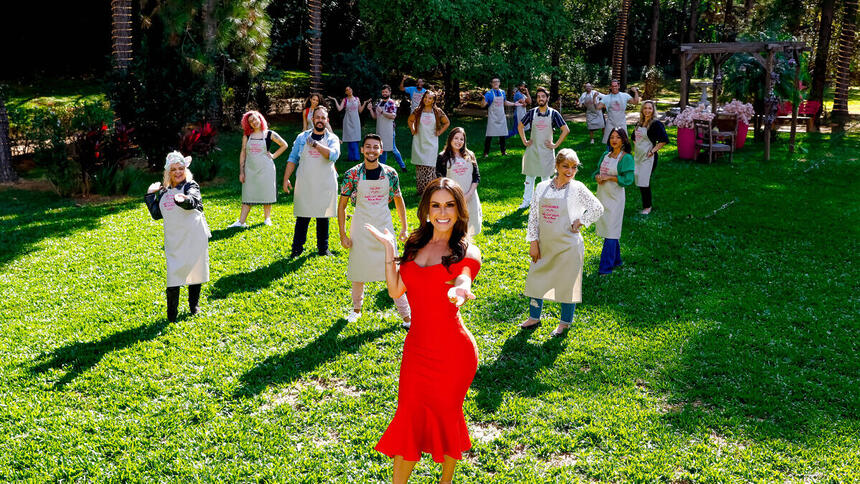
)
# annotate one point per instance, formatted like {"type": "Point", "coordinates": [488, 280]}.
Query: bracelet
{"type": "Point", "coordinates": [390, 261]}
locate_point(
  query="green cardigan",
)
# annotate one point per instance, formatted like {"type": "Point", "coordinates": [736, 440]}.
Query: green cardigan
{"type": "Point", "coordinates": [625, 169]}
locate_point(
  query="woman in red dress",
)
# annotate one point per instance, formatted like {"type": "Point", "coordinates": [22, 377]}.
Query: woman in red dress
{"type": "Point", "coordinates": [439, 355]}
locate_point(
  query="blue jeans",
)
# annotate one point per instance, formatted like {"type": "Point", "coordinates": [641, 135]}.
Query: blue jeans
{"type": "Point", "coordinates": [353, 153]}
{"type": "Point", "coordinates": [395, 151]}
{"type": "Point", "coordinates": [536, 305]}
{"type": "Point", "coordinates": [610, 256]}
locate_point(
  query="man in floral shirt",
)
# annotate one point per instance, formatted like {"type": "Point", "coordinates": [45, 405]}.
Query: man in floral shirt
{"type": "Point", "coordinates": [384, 113]}
{"type": "Point", "coordinates": [371, 186]}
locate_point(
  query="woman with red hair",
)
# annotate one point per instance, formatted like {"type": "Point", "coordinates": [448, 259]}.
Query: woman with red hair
{"type": "Point", "coordinates": [257, 167]}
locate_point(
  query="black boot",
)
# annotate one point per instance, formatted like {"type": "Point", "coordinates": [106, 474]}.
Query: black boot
{"type": "Point", "coordinates": [193, 298]}
{"type": "Point", "coordinates": [172, 303]}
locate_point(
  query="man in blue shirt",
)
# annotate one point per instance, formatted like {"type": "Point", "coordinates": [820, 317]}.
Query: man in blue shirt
{"type": "Point", "coordinates": [315, 196]}
{"type": "Point", "coordinates": [521, 95]}
{"type": "Point", "coordinates": [497, 124]}
{"type": "Point", "coordinates": [415, 92]}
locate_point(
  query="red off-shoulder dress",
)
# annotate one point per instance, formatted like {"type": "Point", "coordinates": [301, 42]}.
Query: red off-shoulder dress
{"type": "Point", "coordinates": [440, 359]}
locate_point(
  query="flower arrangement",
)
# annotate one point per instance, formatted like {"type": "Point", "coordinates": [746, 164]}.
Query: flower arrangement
{"type": "Point", "coordinates": [686, 118]}
{"type": "Point", "coordinates": [744, 111]}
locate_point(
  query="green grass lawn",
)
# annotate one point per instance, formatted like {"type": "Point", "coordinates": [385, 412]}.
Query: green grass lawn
{"type": "Point", "coordinates": [725, 349]}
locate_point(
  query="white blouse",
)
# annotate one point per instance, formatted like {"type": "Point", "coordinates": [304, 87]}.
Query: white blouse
{"type": "Point", "coordinates": [581, 204]}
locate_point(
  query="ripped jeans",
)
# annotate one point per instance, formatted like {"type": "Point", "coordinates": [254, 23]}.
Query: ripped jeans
{"type": "Point", "coordinates": [536, 305]}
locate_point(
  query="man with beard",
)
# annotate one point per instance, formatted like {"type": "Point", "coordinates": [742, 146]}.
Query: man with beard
{"type": "Point", "coordinates": [615, 104]}
{"type": "Point", "coordinates": [371, 186]}
{"type": "Point", "coordinates": [593, 116]}
{"type": "Point", "coordinates": [539, 157]}
{"type": "Point", "coordinates": [384, 114]}
{"type": "Point", "coordinates": [314, 153]}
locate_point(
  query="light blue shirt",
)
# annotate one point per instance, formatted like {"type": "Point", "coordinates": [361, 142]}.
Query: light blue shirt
{"type": "Point", "coordinates": [330, 140]}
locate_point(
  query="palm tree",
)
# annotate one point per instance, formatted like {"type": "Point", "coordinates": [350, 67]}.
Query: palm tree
{"type": "Point", "coordinates": [315, 16]}
{"type": "Point", "coordinates": [7, 174]}
{"type": "Point", "coordinates": [121, 17]}
{"type": "Point", "coordinates": [620, 41]}
{"type": "Point", "coordinates": [843, 62]}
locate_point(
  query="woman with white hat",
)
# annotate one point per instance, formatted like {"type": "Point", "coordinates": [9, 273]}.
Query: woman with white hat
{"type": "Point", "coordinates": [186, 235]}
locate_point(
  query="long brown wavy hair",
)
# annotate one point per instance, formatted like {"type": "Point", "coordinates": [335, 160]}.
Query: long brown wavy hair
{"type": "Point", "coordinates": [448, 153]}
{"type": "Point", "coordinates": [422, 235]}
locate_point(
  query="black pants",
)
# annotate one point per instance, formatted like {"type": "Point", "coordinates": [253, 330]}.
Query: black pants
{"type": "Point", "coordinates": [489, 139]}
{"type": "Point", "coordinates": [301, 234]}
{"type": "Point", "coordinates": [173, 300]}
{"type": "Point", "coordinates": [646, 191]}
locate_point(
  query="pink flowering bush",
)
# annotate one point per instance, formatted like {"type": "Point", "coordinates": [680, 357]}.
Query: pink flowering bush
{"type": "Point", "coordinates": [686, 118]}
{"type": "Point", "coordinates": [744, 111]}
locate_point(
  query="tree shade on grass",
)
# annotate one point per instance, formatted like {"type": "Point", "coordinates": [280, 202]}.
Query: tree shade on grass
{"type": "Point", "coordinates": [725, 348]}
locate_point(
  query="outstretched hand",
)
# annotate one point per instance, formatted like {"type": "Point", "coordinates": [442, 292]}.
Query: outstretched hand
{"type": "Point", "coordinates": [459, 295]}
{"type": "Point", "coordinates": [154, 187]}
{"type": "Point", "coordinates": [386, 238]}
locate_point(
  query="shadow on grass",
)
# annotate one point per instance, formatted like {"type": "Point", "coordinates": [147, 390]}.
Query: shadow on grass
{"type": "Point", "coordinates": [518, 219]}
{"type": "Point", "coordinates": [254, 280]}
{"type": "Point", "coordinates": [227, 232]}
{"type": "Point", "coordinates": [78, 358]}
{"type": "Point", "coordinates": [288, 367]}
{"type": "Point", "coordinates": [513, 371]}
{"type": "Point", "coordinates": [28, 217]}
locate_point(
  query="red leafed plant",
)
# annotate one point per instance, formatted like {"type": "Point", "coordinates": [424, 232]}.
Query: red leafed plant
{"type": "Point", "coordinates": [198, 140]}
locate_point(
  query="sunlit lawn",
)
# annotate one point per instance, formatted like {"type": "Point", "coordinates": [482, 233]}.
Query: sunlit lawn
{"type": "Point", "coordinates": [724, 350]}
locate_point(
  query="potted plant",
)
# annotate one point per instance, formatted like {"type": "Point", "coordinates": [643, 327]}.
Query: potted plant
{"type": "Point", "coordinates": [745, 113]}
{"type": "Point", "coordinates": [686, 132]}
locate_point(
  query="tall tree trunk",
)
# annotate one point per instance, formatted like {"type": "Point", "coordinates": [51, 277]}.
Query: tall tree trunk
{"type": "Point", "coordinates": [121, 44]}
{"type": "Point", "coordinates": [7, 174]}
{"type": "Point", "coordinates": [315, 17]}
{"type": "Point", "coordinates": [819, 71]}
{"type": "Point", "coordinates": [620, 39]}
{"type": "Point", "coordinates": [623, 85]}
{"type": "Point", "coordinates": [729, 21]}
{"type": "Point", "coordinates": [121, 35]}
{"type": "Point", "coordinates": [655, 27]}
{"type": "Point", "coordinates": [452, 89]}
{"type": "Point", "coordinates": [555, 63]}
{"type": "Point", "coordinates": [210, 32]}
{"type": "Point", "coordinates": [694, 21]}
{"type": "Point", "coordinates": [847, 38]}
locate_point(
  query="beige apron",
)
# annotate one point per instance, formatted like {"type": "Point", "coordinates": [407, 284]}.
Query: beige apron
{"type": "Point", "coordinates": [385, 128]}
{"type": "Point", "coordinates": [497, 122]}
{"type": "Point", "coordinates": [316, 185]}
{"type": "Point", "coordinates": [643, 163]}
{"type": "Point", "coordinates": [611, 195]}
{"type": "Point", "coordinates": [186, 242]}
{"type": "Point", "coordinates": [351, 120]}
{"type": "Point", "coordinates": [259, 186]}
{"type": "Point", "coordinates": [557, 275]}
{"type": "Point", "coordinates": [461, 172]}
{"type": "Point", "coordinates": [616, 116]}
{"type": "Point", "coordinates": [425, 143]}
{"type": "Point", "coordinates": [367, 255]}
{"type": "Point", "coordinates": [538, 160]}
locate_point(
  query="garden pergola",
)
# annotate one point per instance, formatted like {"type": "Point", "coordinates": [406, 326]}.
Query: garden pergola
{"type": "Point", "coordinates": [763, 53]}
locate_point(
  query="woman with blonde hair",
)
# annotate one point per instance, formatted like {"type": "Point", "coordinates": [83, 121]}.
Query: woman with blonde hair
{"type": "Point", "coordinates": [461, 165]}
{"type": "Point", "coordinates": [178, 202]}
{"type": "Point", "coordinates": [562, 207]}
{"type": "Point", "coordinates": [427, 122]}
{"type": "Point", "coordinates": [649, 136]}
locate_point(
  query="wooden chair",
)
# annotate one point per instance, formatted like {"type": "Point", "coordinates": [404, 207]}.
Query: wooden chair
{"type": "Point", "coordinates": [706, 140]}
{"type": "Point", "coordinates": [727, 128]}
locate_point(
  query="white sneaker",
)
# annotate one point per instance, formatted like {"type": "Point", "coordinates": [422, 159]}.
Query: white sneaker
{"type": "Point", "coordinates": [353, 317]}
{"type": "Point", "coordinates": [237, 224]}
{"type": "Point", "coordinates": [406, 325]}
{"type": "Point", "coordinates": [592, 141]}
{"type": "Point", "coordinates": [268, 222]}
{"type": "Point", "coordinates": [525, 204]}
